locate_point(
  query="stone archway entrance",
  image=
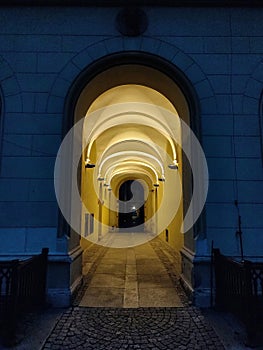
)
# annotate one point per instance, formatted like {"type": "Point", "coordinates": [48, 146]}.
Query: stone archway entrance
{"type": "Point", "coordinates": [133, 149]}
{"type": "Point", "coordinates": [131, 182]}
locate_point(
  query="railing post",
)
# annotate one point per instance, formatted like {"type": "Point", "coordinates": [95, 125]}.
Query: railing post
{"type": "Point", "coordinates": [44, 275]}
{"type": "Point", "coordinates": [11, 305]}
{"type": "Point", "coordinates": [239, 289]}
{"type": "Point", "coordinates": [249, 306]}
{"type": "Point", "coordinates": [212, 276]}
{"type": "Point", "coordinates": [218, 293]}
{"type": "Point", "coordinates": [22, 288]}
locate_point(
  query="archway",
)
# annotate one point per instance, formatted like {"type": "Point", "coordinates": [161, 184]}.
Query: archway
{"type": "Point", "coordinates": [129, 137]}
{"type": "Point", "coordinates": [131, 204]}
{"type": "Point", "coordinates": [95, 89]}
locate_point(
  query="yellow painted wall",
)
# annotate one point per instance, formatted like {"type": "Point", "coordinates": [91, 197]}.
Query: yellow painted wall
{"type": "Point", "coordinates": [175, 237]}
{"type": "Point", "coordinates": [89, 198]}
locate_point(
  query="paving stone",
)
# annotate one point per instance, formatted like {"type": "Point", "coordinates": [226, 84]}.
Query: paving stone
{"type": "Point", "coordinates": [145, 328]}
{"type": "Point", "coordinates": [142, 328]}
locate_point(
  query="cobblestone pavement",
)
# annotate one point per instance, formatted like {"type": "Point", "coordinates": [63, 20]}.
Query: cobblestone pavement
{"type": "Point", "coordinates": [133, 328]}
{"type": "Point", "coordinates": [142, 328]}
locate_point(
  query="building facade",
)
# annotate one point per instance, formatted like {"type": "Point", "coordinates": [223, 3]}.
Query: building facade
{"type": "Point", "coordinates": [202, 64]}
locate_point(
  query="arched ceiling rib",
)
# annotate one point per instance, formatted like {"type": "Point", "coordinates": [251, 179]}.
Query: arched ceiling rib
{"type": "Point", "coordinates": [144, 144]}
{"type": "Point", "coordinates": [129, 155]}
{"type": "Point", "coordinates": [128, 167]}
{"type": "Point", "coordinates": [126, 118]}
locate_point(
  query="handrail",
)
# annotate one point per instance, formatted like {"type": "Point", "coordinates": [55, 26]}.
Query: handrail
{"type": "Point", "coordinates": [239, 289]}
{"type": "Point", "coordinates": [22, 289]}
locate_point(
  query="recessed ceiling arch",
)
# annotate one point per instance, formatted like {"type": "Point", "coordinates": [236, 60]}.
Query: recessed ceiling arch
{"type": "Point", "coordinates": [144, 144]}
{"type": "Point", "coordinates": [133, 117]}
{"type": "Point", "coordinates": [128, 155]}
{"type": "Point", "coordinates": [129, 167]}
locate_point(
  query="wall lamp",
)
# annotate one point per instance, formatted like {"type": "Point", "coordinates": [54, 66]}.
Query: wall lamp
{"type": "Point", "coordinates": [174, 165]}
{"type": "Point", "coordinates": [88, 164]}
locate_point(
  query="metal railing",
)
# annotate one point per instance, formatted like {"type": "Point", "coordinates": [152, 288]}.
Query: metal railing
{"type": "Point", "coordinates": [239, 289]}
{"type": "Point", "coordinates": [22, 289]}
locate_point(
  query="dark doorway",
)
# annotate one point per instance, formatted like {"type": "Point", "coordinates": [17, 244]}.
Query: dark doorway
{"type": "Point", "coordinates": [131, 205]}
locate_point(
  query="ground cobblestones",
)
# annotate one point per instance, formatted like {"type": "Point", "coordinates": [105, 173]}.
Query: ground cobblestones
{"type": "Point", "coordinates": [142, 328]}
